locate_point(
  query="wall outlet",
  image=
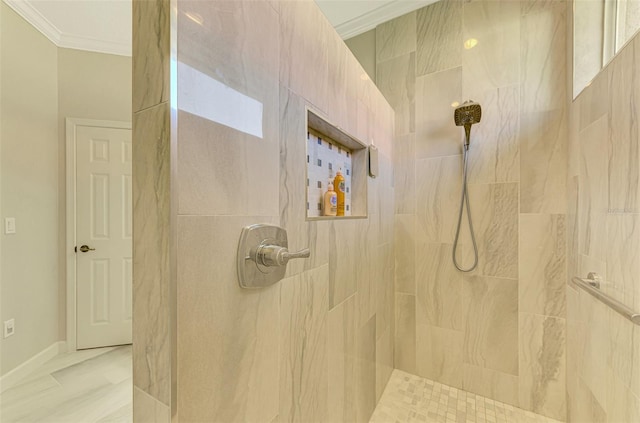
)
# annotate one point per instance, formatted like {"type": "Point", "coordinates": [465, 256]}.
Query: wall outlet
{"type": "Point", "coordinates": [9, 327]}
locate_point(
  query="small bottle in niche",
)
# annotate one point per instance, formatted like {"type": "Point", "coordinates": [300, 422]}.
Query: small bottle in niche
{"type": "Point", "coordinates": [330, 201]}
{"type": "Point", "coordinates": [338, 183]}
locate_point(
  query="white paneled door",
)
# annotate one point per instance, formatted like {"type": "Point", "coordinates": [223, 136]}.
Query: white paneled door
{"type": "Point", "coordinates": [103, 236]}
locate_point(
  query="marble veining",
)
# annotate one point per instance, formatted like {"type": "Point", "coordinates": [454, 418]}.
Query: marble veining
{"type": "Point", "coordinates": [542, 364]}
{"type": "Point", "coordinates": [304, 304]}
{"type": "Point", "coordinates": [396, 79]}
{"type": "Point", "coordinates": [439, 36]}
{"type": "Point", "coordinates": [491, 325]}
{"type": "Point", "coordinates": [543, 274]}
{"type": "Point", "coordinates": [436, 135]}
{"type": "Point", "coordinates": [151, 239]}
{"type": "Point", "coordinates": [405, 342]}
{"type": "Point", "coordinates": [396, 37]}
{"type": "Point", "coordinates": [228, 337]}
{"type": "Point", "coordinates": [604, 196]}
{"type": "Point", "coordinates": [439, 287]}
{"type": "Point", "coordinates": [150, 53]}
{"type": "Point", "coordinates": [494, 155]}
{"type": "Point", "coordinates": [623, 147]}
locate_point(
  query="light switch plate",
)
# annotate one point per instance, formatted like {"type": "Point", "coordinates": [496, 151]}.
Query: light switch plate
{"type": "Point", "coordinates": [10, 225]}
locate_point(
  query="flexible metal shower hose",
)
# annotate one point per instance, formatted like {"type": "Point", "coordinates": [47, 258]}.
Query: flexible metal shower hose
{"type": "Point", "coordinates": [465, 198]}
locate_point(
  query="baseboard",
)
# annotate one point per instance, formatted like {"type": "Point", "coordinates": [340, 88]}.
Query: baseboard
{"type": "Point", "coordinates": [23, 370]}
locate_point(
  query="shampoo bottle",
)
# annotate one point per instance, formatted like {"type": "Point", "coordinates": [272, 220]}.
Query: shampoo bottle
{"type": "Point", "coordinates": [338, 183]}
{"type": "Point", "coordinates": [330, 201]}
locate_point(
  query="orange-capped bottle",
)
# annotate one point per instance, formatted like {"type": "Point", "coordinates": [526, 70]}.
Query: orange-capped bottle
{"type": "Point", "coordinates": [338, 185]}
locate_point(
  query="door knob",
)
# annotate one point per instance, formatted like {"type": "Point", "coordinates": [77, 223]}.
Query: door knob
{"type": "Point", "coordinates": [86, 248]}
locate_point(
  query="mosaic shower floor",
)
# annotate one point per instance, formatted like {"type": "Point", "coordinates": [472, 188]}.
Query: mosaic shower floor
{"type": "Point", "coordinates": [409, 398]}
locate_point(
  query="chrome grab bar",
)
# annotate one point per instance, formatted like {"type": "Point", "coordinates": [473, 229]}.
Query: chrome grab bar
{"type": "Point", "coordinates": [592, 286]}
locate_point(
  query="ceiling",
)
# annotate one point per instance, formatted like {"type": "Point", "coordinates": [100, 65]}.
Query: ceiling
{"type": "Point", "coordinates": [105, 25]}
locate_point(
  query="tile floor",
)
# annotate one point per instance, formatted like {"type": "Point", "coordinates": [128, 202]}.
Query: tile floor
{"type": "Point", "coordinates": [87, 386]}
{"type": "Point", "coordinates": [94, 386]}
{"type": "Point", "coordinates": [410, 398]}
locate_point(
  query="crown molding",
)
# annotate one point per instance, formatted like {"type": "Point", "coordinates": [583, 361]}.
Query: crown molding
{"type": "Point", "coordinates": [60, 39]}
{"type": "Point", "coordinates": [91, 44]}
{"type": "Point", "coordinates": [370, 20]}
{"type": "Point", "coordinates": [36, 19]}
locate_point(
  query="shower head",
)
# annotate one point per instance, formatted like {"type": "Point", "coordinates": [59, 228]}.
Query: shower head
{"type": "Point", "coordinates": [466, 115]}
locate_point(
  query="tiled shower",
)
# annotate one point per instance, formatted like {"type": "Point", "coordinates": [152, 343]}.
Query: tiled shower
{"type": "Point", "coordinates": [381, 292]}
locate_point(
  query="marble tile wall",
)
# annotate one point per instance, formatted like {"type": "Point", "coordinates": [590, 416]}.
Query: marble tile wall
{"type": "Point", "coordinates": [500, 330]}
{"type": "Point", "coordinates": [152, 213]}
{"type": "Point", "coordinates": [603, 348]}
{"type": "Point", "coordinates": [317, 346]}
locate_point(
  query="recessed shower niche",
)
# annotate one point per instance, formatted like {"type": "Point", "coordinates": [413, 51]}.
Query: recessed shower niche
{"type": "Point", "coordinates": [329, 150]}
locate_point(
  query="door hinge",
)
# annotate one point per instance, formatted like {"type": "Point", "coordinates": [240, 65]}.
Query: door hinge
{"type": "Point", "coordinates": [75, 249]}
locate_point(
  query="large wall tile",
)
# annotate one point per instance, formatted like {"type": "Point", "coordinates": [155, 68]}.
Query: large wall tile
{"type": "Point", "coordinates": [304, 53]}
{"type": "Point", "coordinates": [219, 167]}
{"type": "Point", "coordinates": [151, 32]}
{"type": "Point", "coordinates": [384, 360]}
{"type": "Point", "coordinates": [594, 102]}
{"type": "Point", "coordinates": [385, 319]}
{"type": "Point", "coordinates": [593, 190]}
{"type": "Point", "coordinates": [436, 132]}
{"type": "Point", "coordinates": [491, 384]}
{"type": "Point", "coordinates": [594, 369]}
{"type": "Point", "coordinates": [396, 37]}
{"type": "Point", "coordinates": [343, 265]}
{"type": "Point", "coordinates": [366, 371]}
{"type": "Point", "coordinates": [439, 36]}
{"type": "Point", "coordinates": [622, 404]}
{"type": "Point", "coordinates": [494, 61]}
{"type": "Point", "coordinates": [543, 59]}
{"type": "Point", "coordinates": [147, 409]}
{"type": "Point", "coordinates": [439, 287]}
{"type": "Point", "coordinates": [439, 354]}
{"type": "Point", "coordinates": [405, 275]}
{"type": "Point", "coordinates": [542, 365]}
{"type": "Point", "coordinates": [543, 162]}
{"type": "Point", "coordinates": [494, 208]}
{"type": "Point", "coordinates": [342, 372]}
{"type": "Point", "coordinates": [396, 79]}
{"type": "Point", "coordinates": [438, 198]}
{"type": "Point", "coordinates": [587, 408]}
{"type": "Point", "coordinates": [494, 152]}
{"type": "Point", "coordinates": [304, 304]}
{"type": "Point", "coordinates": [491, 327]}
{"type": "Point", "coordinates": [405, 340]}
{"type": "Point", "coordinates": [404, 173]}
{"type": "Point", "coordinates": [542, 281]}
{"type": "Point", "coordinates": [151, 256]}
{"type": "Point", "coordinates": [228, 337]}
{"type": "Point", "coordinates": [624, 152]}
{"type": "Point", "coordinates": [625, 352]}
{"type": "Point", "coordinates": [219, 161]}
{"type": "Point", "coordinates": [623, 260]}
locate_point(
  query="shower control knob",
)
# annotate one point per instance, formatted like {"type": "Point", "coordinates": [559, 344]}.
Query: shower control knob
{"type": "Point", "coordinates": [263, 255]}
{"type": "Point", "coordinates": [275, 255]}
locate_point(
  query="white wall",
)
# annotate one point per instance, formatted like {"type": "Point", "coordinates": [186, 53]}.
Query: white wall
{"type": "Point", "coordinates": [29, 189]}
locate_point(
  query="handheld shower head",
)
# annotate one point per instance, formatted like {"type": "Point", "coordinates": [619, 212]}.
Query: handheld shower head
{"type": "Point", "coordinates": [466, 115]}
